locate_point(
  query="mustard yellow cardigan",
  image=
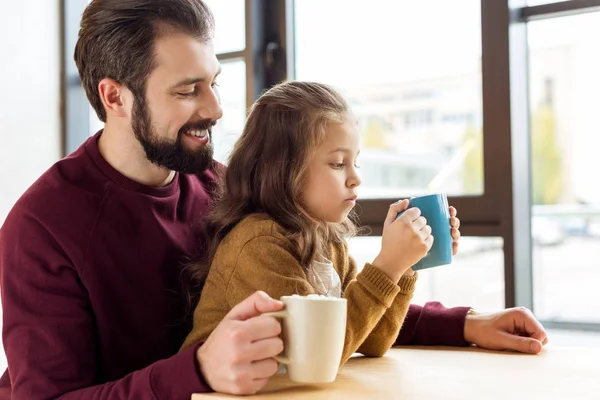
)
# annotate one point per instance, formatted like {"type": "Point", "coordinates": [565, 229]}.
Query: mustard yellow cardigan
{"type": "Point", "coordinates": [256, 255]}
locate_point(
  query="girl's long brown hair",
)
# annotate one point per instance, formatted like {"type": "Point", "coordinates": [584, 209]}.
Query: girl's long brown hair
{"type": "Point", "coordinates": [267, 168]}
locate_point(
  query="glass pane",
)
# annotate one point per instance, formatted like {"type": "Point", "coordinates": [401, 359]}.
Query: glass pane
{"type": "Point", "coordinates": [538, 2]}
{"type": "Point", "coordinates": [417, 95]}
{"type": "Point", "coordinates": [95, 123]}
{"type": "Point", "coordinates": [232, 88]}
{"type": "Point", "coordinates": [230, 24]}
{"type": "Point", "coordinates": [564, 86]}
{"type": "Point", "coordinates": [475, 278]}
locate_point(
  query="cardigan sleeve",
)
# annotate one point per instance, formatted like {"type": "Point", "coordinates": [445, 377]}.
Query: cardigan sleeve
{"type": "Point", "coordinates": [267, 263]}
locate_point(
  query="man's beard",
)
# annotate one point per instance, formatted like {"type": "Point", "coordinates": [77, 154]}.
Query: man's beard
{"type": "Point", "coordinates": [171, 155]}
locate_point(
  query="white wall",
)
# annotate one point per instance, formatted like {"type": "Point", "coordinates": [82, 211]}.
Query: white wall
{"type": "Point", "coordinates": [29, 97]}
{"type": "Point", "coordinates": [29, 94]}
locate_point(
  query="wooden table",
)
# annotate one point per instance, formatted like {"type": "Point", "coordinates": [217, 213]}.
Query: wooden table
{"type": "Point", "coordinates": [451, 373]}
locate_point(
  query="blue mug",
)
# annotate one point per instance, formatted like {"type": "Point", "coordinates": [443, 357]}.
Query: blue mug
{"type": "Point", "coordinates": [435, 209]}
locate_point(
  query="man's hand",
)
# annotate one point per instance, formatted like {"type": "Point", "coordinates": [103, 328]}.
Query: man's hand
{"type": "Point", "coordinates": [511, 329]}
{"type": "Point", "coordinates": [237, 356]}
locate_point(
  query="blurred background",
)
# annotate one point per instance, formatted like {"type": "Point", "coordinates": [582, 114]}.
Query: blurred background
{"type": "Point", "coordinates": [493, 102]}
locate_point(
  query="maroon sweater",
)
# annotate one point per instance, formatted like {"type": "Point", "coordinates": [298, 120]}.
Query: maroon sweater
{"type": "Point", "coordinates": [90, 273]}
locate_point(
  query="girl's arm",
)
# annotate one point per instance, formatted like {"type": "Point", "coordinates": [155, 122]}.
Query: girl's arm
{"type": "Point", "coordinates": [267, 263]}
{"type": "Point", "coordinates": [385, 334]}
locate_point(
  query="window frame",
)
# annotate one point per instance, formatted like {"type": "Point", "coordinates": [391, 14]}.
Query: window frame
{"type": "Point", "coordinates": [503, 210]}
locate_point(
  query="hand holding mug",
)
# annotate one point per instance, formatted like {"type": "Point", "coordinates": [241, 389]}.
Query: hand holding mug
{"type": "Point", "coordinates": [405, 240]}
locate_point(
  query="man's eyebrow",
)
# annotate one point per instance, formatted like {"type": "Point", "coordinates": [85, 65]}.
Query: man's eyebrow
{"type": "Point", "coordinates": [192, 80]}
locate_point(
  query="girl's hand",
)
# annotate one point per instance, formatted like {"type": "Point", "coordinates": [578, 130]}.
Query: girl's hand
{"type": "Point", "coordinates": [454, 225]}
{"type": "Point", "coordinates": [405, 240]}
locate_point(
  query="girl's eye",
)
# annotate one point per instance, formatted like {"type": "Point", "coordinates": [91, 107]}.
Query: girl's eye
{"type": "Point", "coordinates": [337, 165]}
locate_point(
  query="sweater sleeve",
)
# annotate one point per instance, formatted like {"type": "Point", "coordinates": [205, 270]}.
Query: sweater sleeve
{"type": "Point", "coordinates": [385, 334]}
{"type": "Point", "coordinates": [49, 333]}
{"type": "Point", "coordinates": [433, 324]}
{"type": "Point", "coordinates": [266, 263]}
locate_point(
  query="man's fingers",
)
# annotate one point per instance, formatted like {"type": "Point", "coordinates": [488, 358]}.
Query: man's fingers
{"type": "Point", "coordinates": [261, 371]}
{"type": "Point", "coordinates": [264, 369]}
{"type": "Point", "coordinates": [262, 327]}
{"type": "Point", "coordinates": [253, 306]}
{"type": "Point", "coordinates": [258, 384]}
{"type": "Point", "coordinates": [264, 338]}
{"type": "Point", "coordinates": [539, 334]}
{"type": "Point", "coordinates": [531, 326]}
{"type": "Point", "coordinates": [522, 344]}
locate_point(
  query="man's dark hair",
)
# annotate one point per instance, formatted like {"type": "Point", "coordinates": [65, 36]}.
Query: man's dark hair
{"type": "Point", "coordinates": [116, 40]}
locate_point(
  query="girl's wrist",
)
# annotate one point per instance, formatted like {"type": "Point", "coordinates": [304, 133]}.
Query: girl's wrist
{"type": "Point", "coordinates": [389, 267]}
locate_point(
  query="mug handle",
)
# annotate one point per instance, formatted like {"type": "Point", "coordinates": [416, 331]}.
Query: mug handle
{"type": "Point", "coordinates": [282, 315]}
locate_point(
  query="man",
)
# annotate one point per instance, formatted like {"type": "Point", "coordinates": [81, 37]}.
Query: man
{"type": "Point", "coordinates": [91, 255]}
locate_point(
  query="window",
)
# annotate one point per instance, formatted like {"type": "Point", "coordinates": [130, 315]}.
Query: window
{"type": "Point", "coordinates": [475, 277]}
{"type": "Point", "coordinates": [418, 95]}
{"type": "Point", "coordinates": [564, 86]}
{"type": "Point", "coordinates": [424, 77]}
{"type": "Point", "coordinates": [232, 89]}
{"type": "Point", "coordinates": [538, 2]}
{"type": "Point", "coordinates": [230, 43]}
{"type": "Point", "coordinates": [230, 25]}
{"type": "Point", "coordinates": [411, 89]}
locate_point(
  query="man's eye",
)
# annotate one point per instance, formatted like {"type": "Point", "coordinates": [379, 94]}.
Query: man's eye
{"type": "Point", "coordinates": [187, 94]}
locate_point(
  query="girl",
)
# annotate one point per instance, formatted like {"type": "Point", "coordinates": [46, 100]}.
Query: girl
{"type": "Point", "coordinates": [282, 221]}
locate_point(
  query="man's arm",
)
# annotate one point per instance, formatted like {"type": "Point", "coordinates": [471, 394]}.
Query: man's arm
{"type": "Point", "coordinates": [510, 329]}
{"type": "Point", "coordinates": [49, 333]}
{"type": "Point", "coordinates": [172, 378]}
{"type": "Point", "coordinates": [433, 324]}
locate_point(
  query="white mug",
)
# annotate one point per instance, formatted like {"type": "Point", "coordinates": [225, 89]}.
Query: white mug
{"type": "Point", "coordinates": [314, 329]}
